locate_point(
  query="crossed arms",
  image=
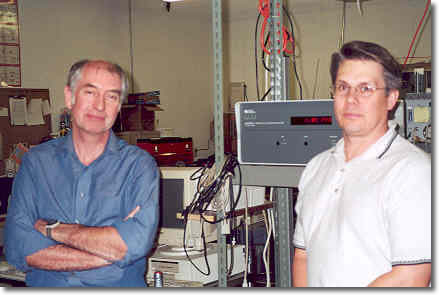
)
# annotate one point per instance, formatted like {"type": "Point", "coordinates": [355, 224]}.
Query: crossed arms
{"type": "Point", "coordinates": [81, 247]}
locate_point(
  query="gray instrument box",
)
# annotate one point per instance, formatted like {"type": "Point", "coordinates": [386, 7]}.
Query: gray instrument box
{"type": "Point", "coordinates": [284, 132]}
{"type": "Point", "coordinates": [418, 120]}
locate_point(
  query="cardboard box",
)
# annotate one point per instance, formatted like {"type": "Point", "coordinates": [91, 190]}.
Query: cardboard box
{"type": "Point", "coordinates": [236, 93]}
{"type": "Point", "coordinates": [137, 117]}
{"type": "Point", "coordinates": [230, 136]}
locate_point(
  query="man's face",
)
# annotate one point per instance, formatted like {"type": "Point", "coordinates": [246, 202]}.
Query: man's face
{"type": "Point", "coordinates": [97, 97]}
{"type": "Point", "coordinates": [360, 116]}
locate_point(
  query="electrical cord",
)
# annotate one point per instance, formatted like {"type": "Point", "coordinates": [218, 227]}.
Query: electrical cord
{"type": "Point", "coordinates": [245, 93]}
{"type": "Point", "coordinates": [265, 95]}
{"type": "Point", "coordinates": [263, 56]}
{"type": "Point", "coordinates": [204, 249]}
{"type": "Point", "coordinates": [231, 226]}
{"type": "Point", "coordinates": [294, 51]}
{"type": "Point", "coordinates": [270, 211]}
{"type": "Point", "coordinates": [245, 282]}
{"type": "Point", "coordinates": [417, 30]}
{"type": "Point", "coordinates": [256, 56]}
{"type": "Point", "coordinates": [207, 188]}
{"type": "Point", "coordinates": [266, 253]}
{"type": "Point", "coordinates": [287, 37]}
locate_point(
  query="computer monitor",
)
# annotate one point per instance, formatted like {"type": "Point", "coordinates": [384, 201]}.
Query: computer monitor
{"type": "Point", "coordinates": [177, 191]}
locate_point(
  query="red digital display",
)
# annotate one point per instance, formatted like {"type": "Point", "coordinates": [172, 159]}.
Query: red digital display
{"type": "Point", "coordinates": [312, 120]}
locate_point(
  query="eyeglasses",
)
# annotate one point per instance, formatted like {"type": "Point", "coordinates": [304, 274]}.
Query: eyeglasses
{"type": "Point", "coordinates": [364, 90]}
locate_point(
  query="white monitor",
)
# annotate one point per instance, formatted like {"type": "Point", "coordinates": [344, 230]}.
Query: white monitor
{"type": "Point", "coordinates": [177, 191]}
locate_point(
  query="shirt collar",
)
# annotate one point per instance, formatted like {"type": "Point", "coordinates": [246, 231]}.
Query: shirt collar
{"type": "Point", "coordinates": [375, 150]}
{"type": "Point", "coordinates": [112, 146]}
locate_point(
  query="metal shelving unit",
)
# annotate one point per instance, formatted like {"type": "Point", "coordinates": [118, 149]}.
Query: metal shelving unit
{"type": "Point", "coordinates": [283, 209]}
{"type": "Point", "coordinates": [283, 213]}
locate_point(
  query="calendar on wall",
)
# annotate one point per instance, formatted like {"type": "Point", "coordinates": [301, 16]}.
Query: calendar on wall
{"type": "Point", "coordinates": [10, 65]}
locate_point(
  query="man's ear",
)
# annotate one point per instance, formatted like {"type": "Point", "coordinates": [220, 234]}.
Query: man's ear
{"type": "Point", "coordinates": [392, 98]}
{"type": "Point", "coordinates": [68, 97]}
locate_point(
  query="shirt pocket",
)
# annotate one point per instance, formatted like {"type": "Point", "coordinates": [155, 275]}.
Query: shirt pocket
{"type": "Point", "coordinates": [104, 207]}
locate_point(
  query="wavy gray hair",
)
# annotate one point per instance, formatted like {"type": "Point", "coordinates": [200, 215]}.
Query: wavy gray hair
{"type": "Point", "coordinates": [76, 70]}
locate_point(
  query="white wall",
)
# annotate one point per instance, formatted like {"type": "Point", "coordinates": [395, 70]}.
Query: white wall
{"type": "Point", "coordinates": [172, 51]}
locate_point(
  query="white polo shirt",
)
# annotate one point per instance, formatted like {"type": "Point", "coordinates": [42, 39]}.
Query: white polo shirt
{"type": "Point", "coordinates": [358, 219]}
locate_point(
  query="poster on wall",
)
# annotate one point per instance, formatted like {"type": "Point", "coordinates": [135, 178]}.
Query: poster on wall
{"type": "Point", "coordinates": [10, 65]}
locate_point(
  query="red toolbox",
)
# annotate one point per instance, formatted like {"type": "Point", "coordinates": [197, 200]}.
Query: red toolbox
{"type": "Point", "coordinates": [169, 151]}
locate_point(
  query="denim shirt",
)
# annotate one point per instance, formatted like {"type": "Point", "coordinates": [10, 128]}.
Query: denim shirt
{"type": "Point", "coordinates": [53, 184]}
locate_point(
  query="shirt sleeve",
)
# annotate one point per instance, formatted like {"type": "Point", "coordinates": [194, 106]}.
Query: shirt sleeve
{"type": "Point", "coordinates": [409, 214]}
{"type": "Point", "coordinates": [21, 217]}
{"type": "Point", "coordinates": [298, 237]}
{"type": "Point", "coordinates": [139, 232]}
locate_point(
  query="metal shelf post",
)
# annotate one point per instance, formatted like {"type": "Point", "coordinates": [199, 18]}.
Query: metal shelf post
{"type": "Point", "coordinates": [282, 203]}
{"type": "Point", "coordinates": [219, 132]}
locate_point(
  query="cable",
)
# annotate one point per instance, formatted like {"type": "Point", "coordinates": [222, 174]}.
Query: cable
{"type": "Point", "coordinates": [263, 55]}
{"type": "Point", "coordinates": [359, 7]}
{"type": "Point", "coordinates": [417, 30]}
{"type": "Point", "coordinates": [245, 93]}
{"type": "Point", "coordinates": [316, 78]}
{"type": "Point", "coordinates": [231, 226]}
{"type": "Point", "coordinates": [294, 52]}
{"type": "Point", "coordinates": [265, 95]}
{"type": "Point", "coordinates": [265, 254]}
{"type": "Point", "coordinates": [270, 211]}
{"type": "Point", "coordinates": [256, 56]}
{"type": "Point", "coordinates": [204, 250]}
{"type": "Point", "coordinates": [244, 282]}
{"type": "Point", "coordinates": [263, 8]}
{"type": "Point", "coordinates": [209, 184]}
{"type": "Point", "coordinates": [208, 189]}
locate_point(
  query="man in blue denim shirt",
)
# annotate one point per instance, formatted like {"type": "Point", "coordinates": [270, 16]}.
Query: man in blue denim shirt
{"type": "Point", "coordinates": [84, 207]}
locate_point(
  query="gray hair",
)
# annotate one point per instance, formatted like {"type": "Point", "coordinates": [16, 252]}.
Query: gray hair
{"type": "Point", "coordinates": [76, 70]}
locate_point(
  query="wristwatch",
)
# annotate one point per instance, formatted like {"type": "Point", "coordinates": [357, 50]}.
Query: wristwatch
{"type": "Point", "coordinates": [51, 224]}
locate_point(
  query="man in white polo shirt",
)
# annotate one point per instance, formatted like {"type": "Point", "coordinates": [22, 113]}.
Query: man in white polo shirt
{"type": "Point", "coordinates": [364, 206]}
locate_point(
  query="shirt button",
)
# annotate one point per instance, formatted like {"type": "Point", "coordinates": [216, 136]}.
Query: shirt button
{"type": "Point", "coordinates": [336, 190]}
{"type": "Point", "coordinates": [82, 195]}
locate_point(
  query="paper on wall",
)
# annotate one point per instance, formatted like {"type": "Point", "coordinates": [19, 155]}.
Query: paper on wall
{"type": "Point", "coordinates": [18, 110]}
{"type": "Point", "coordinates": [35, 112]}
{"type": "Point", "coordinates": [46, 107]}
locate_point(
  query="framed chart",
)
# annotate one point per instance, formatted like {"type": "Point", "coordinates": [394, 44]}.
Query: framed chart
{"type": "Point", "coordinates": [10, 65]}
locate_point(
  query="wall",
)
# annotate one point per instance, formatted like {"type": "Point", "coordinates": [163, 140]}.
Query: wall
{"type": "Point", "coordinates": [172, 51]}
{"type": "Point", "coordinates": [317, 28]}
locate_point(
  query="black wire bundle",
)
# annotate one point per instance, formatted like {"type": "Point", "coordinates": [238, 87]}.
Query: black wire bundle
{"type": "Point", "coordinates": [207, 189]}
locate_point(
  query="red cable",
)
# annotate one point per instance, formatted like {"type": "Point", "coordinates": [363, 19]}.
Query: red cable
{"type": "Point", "coordinates": [417, 30]}
{"type": "Point", "coordinates": [287, 37]}
{"type": "Point", "coordinates": [262, 37]}
{"type": "Point", "coordinates": [264, 9]}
